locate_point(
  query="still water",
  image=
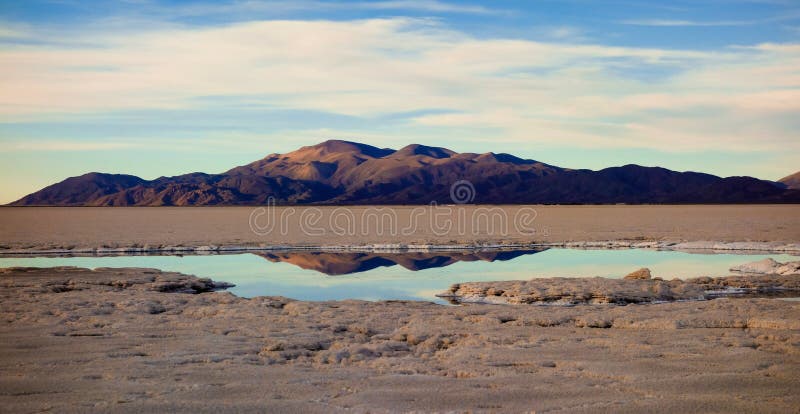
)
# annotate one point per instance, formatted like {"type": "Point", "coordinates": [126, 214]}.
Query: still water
{"type": "Point", "coordinates": [417, 276]}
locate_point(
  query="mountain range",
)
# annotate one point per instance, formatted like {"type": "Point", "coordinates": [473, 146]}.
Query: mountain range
{"type": "Point", "coordinates": [339, 172]}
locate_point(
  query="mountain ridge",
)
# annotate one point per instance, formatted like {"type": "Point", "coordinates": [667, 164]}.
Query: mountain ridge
{"type": "Point", "coordinates": [337, 172]}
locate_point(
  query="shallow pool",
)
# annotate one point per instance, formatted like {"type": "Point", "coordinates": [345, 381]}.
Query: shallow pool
{"type": "Point", "coordinates": [418, 276]}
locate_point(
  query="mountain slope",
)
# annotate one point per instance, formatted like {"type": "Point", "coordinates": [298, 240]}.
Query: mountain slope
{"type": "Point", "coordinates": [80, 190]}
{"type": "Point", "coordinates": [791, 181]}
{"type": "Point", "coordinates": [342, 172]}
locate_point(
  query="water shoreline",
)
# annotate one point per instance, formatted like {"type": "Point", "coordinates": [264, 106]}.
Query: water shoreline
{"type": "Point", "coordinates": [674, 245]}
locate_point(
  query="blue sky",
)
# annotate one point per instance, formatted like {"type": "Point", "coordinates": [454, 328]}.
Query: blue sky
{"type": "Point", "coordinates": [156, 88]}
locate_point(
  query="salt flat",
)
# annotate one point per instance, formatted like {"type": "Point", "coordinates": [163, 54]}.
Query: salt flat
{"type": "Point", "coordinates": [122, 340]}
{"type": "Point", "coordinates": [87, 227]}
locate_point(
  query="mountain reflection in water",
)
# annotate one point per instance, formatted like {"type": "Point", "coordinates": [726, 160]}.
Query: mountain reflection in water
{"type": "Point", "coordinates": [343, 263]}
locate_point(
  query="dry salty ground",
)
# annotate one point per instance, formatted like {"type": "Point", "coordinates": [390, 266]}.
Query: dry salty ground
{"type": "Point", "coordinates": [33, 228]}
{"type": "Point", "coordinates": [134, 340]}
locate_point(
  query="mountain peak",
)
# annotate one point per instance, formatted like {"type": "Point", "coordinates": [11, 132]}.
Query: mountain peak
{"type": "Point", "coordinates": [337, 146]}
{"type": "Point", "coordinates": [418, 149]}
{"type": "Point", "coordinates": [77, 190]}
{"type": "Point", "coordinates": [503, 157]}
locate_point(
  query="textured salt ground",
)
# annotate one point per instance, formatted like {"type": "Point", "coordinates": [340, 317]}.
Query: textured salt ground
{"type": "Point", "coordinates": [54, 228]}
{"type": "Point", "coordinates": [597, 290]}
{"type": "Point", "coordinates": [117, 340]}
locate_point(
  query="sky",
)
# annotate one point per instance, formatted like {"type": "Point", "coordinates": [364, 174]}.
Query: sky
{"type": "Point", "coordinates": [163, 87]}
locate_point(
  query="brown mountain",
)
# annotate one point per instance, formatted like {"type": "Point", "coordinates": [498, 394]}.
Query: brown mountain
{"type": "Point", "coordinates": [791, 181]}
{"type": "Point", "coordinates": [79, 190]}
{"type": "Point", "coordinates": [342, 172]}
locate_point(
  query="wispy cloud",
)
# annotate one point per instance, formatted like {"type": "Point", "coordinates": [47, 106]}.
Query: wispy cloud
{"type": "Point", "coordinates": [279, 7]}
{"type": "Point", "coordinates": [787, 16]}
{"type": "Point", "coordinates": [423, 5]}
{"type": "Point", "coordinates": [60, 145]}
{"type": "Point", "coordinates": [562, 33]}
{"type": "Point", "coordinates": [678, 23]}
{"type": "Point", "coordinates": [12, 31]}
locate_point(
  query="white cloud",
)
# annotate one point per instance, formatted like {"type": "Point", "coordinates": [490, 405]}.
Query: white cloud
{"type": "Point", "coordinates": [576, 94]}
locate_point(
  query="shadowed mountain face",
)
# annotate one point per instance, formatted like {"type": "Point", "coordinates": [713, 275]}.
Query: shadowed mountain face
{"type": "Point", "coordinates": [338, 263]}
{"type": "Point", "coordinates": [342, 172]}
{"type": "Point", "coordinates": [83, 189]}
